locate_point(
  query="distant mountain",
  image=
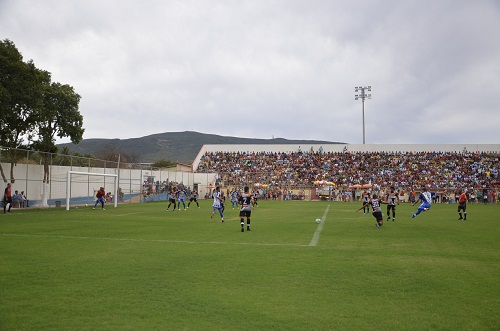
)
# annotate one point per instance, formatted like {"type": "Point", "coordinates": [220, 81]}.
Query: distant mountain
{"type": "Point", "coordinates": [174, 146]}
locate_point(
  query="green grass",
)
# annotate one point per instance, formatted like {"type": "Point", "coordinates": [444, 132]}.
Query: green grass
{"type": "Point", "coordinates": [138, 267]}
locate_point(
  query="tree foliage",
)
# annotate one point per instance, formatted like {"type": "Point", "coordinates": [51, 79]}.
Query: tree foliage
{"type": "Point", "coordinates": [34, 110]}
{"type": "Point", "coordinates": [20, 97]}
{"type": "Point", "coordinates": [58, 116]}
{"type": "Point", "coordinates": [164, 164]}
{"type": "Point", "coordinates": [114, 154]}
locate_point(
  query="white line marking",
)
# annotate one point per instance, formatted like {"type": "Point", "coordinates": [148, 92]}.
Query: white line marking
{"type": "Point", "coordinates": [146, 240]}
{"type": "Point", "coordinates": [119, 215]}
{"type": "Point", "coordinates": [315, 237]}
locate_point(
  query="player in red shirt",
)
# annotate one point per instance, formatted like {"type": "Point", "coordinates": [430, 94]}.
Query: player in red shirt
{"type": "Point", "coordinates": [7, 198]}
{"type": "Point", "coordinates": [100, 197]}
{"type": "Point", "coordinates": [462, 205]}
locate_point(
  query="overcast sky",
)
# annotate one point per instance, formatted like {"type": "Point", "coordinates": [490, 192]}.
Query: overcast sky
{"type": "Point", "coordinates": [264, 69]}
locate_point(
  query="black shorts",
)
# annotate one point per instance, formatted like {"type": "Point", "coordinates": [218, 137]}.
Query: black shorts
{"type": "Point", "coordinates": [172, 200]}
{"type": "Point", "coordinates": [245, 213]}
{"type": "Point", "coordinates": [378, 215]}
{"type": "Point", "coordinates": [462, 206]}
{"type": "Point", "coordinates": [389, 207]}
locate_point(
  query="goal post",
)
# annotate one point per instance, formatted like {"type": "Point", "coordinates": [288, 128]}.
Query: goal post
{"type": "Point", "coordinates": [83, 186]}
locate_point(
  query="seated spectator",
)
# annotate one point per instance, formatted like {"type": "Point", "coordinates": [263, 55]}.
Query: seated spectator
{"type": "Point", "coordinates": [108, 197]}
{"type": "Point", "coordinates": [16, 199]}
{"type": "Point", "coordinates": [120, 194]}
{"type": "Point", "coordinates": [24, 200]}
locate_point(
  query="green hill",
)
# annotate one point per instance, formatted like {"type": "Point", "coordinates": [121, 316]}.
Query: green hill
{"type": "Point", "coordinates": [174, 146]}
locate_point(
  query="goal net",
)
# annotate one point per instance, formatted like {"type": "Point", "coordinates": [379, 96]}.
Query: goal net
{"type": "Point", "coordinates": [82, 187]}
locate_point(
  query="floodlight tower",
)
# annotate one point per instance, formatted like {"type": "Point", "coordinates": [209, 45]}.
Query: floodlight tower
{"type": "Point", "coordinates": [363, 96]}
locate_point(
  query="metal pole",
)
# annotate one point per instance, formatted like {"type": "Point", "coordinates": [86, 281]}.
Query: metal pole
{"type": "Point", "coordinates": [117, 181]}
{"type": "Point", "coordinates": [363, 96]}
{"type": "Point", "coordinates": [363, 121]}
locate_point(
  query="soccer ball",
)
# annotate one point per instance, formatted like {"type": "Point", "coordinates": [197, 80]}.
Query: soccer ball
{"type": "Point", "coordinates": [86, 205]}
{"type": "Point", "coordinates": [318, 220]}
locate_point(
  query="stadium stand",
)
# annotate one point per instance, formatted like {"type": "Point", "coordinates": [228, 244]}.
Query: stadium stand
{"type": "Point", "coordinates": [403, 170]}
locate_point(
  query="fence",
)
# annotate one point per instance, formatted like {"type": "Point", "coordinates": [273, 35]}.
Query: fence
{"type": "Point", "coordinates": [138, 182]}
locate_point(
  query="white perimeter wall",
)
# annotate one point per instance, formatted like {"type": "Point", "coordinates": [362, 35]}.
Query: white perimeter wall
{"type": "Point", "coordinates": [28, 178]}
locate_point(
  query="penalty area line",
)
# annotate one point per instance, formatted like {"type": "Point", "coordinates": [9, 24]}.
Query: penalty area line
{"type": "Point", "coordinates": [128, 214]}
{"type": "Point", "coordinates": [147, 240]}
{"type": "Point", "coordinates": [315, 238]}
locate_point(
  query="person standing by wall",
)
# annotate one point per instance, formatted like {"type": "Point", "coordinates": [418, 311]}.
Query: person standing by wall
{"type": "Point", "coordinates": [7, 198]}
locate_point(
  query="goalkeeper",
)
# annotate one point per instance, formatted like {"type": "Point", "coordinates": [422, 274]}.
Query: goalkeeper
{"type": "Point", "coordinates": [100, 197]}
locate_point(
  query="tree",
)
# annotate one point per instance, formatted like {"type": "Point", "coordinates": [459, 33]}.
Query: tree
{"type": "Point", "coordinates": [113, 154]}
{"type": "Point", "coordinates": [58, 116]}
{"type": "Point", "coordinates": [20, 95]}
{"type": "Point", "coordinates": [64, 158]}
{"type": "Point", "coordinates": [164, 164]}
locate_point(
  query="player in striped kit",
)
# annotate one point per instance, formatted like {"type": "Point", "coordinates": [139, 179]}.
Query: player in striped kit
{"type": "Point", "coordinates": [392, 199]}
{"type": "Point", "coordinates": [376, 209]}
{"type": "Point", "coordinates": [366, 199]}
{"type": "Point", "coordinates": [194, 198]}
{"type": "Point", "coordinates": [171, 199]}
{"type": "Point", "coordinates": [246, 200]}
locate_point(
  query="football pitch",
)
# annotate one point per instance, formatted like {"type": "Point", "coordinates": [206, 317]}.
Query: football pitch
{"type": "Point", "coordinates": [138, 267]}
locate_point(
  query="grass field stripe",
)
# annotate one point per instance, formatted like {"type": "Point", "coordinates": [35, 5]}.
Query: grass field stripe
{"type": "Point", "coordinates": [315, 237]}
{"type": "Point", "coordinates": [147, 240]}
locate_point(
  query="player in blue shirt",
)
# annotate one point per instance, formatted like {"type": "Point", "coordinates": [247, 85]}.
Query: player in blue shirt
{"type": "Point", "coordinates": [234, 198]}
{"type": "Point", "coordinates": [218, 204]}
{"type": "Point", "coordinates": [181, 198]}
{"type": "Point", "coordinates": [426, 199]}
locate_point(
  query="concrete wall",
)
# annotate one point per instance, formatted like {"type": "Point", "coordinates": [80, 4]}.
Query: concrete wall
{"type": "Point", "coordinates": [28, 178]}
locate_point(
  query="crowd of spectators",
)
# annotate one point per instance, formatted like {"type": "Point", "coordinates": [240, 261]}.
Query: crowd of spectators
{"type": "Point", "coordinates": [151, 188]}
{"type": "Point", "coordinates": [402, 170]}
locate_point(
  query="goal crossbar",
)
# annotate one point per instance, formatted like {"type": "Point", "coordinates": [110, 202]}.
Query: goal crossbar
{"type": "Point", "coordinates": [68, 185]}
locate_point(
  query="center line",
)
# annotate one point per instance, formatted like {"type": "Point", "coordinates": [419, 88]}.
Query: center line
{"type": "Point", "coordinates": [315, 237]}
